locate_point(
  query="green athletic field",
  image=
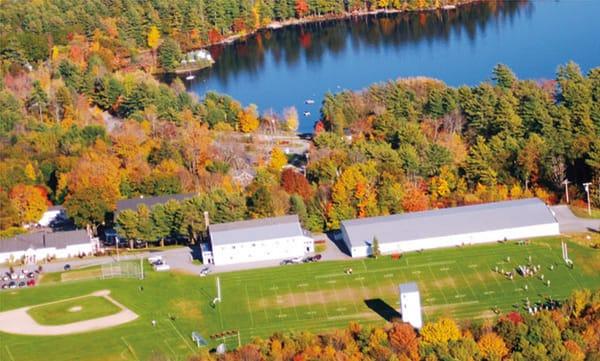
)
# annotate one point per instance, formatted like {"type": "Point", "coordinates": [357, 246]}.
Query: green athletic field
{"type": "Point", "coordinates": [458, 282]}
{"type": "Point", "coordinates": [75, 310]}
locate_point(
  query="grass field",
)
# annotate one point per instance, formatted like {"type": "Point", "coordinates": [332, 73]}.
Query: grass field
{"type": "Point", "coordinates": [583, 212]}
{"type": "Point", "coordinates": [68, 311]}
{"type": "Point", "coordinates": [459, 282]}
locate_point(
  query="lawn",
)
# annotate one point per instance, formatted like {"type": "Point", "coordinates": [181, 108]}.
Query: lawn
{"type": "Point", "coordinates": [583, 212]}
{"type": "Point", "coordinates": [459, 282]}
{"type": "Point", "coordinates": [74, 310]}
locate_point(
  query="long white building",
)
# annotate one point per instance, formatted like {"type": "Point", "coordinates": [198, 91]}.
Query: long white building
{"type": "Point", "coordinates": [35, 247]}
{"type": "Point", "coordinates": [516, 219]}
{"type": "Point", "coordinates": [257, 240]}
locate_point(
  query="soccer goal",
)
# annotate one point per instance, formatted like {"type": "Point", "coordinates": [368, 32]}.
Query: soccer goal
{"type": "Point", "coordinates": [125, 269]}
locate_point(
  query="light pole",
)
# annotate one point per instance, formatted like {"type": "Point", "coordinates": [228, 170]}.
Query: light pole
{"type": "Point", "coordinates": [587, 191]}
{"type": "Point", "coordinates": [566, 183]}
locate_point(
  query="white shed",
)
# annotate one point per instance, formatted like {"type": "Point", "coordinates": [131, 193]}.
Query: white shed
{"type": "Point", "coordinates": [410, 304]}
{"type": "Point", "coordinates": [490, 222]}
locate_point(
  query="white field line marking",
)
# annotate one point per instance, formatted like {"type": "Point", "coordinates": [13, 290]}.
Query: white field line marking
{"type": "Point", "coordinates": [468, 283]}
{"type": "Point", "coordinates": [350, 289]}
{"type": "Point", "coordinates": [331, 281]}
{"type": "Point", "coordinates": [130, 348]}
{"type": "Point", "coordinates": [387, 269]}
{"type": "Point", "coordinates": [249, 308]}
{"type": "Point", "coordinates": [323, 302]}
{"type": "Point", "coordinates": [262, 296]}
{"type": "Point", "coordinates": [293, 301]}
{"type": "Point", "coordinates": [8, 352]}
{"type": "Point", "coordinates": [303, 285]}
{"type": "Point", "coordinates": [180, 335]}
{"type": "Point", "coordinates": [388, 275]}
{"type": "Point", "coordinates": [438, 286]}
{"type": "Point", "coordinates": [489, 292]}
{"type": "Point", "coordinates": [359, 278]}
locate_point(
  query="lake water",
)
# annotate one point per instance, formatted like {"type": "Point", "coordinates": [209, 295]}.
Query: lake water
{"type": "Point", "coordinates": [280, 68]}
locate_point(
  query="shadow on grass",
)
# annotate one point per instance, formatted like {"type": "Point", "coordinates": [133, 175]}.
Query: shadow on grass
{"type": "Point", "coordinates": [384, 310]}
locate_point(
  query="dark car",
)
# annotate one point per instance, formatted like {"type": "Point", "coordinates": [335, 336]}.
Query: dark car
{"type": "Point", "coordinates": [140, 244]}
{"type": "Point", "coordinates": [286, 261]}
{"type": "Point", "coordinates": [67, 267]}
{"type": "Point", "coordinates": [314, 258]}
{"type": "Point", "coordinates": [12, 284]}
{"type": "Point", "coordinates": [22, 284]}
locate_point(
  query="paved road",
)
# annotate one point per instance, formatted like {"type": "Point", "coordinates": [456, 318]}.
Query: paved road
{"type": "Point", "coordinates": [568, 222]}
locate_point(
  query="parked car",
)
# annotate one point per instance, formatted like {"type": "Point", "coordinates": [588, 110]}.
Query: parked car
{"type": "Point", "coordinates": [31, 283]}
{"type": "Point", "coordinates": [22, 284]}
{"type": "Point", "coordinates": [140, 244]}
{"type": "Point", "coordinates": [12, 284]}
{"type": "Point", "coordinates": [67, 267]}
{"type": "Point", "coordinates": [314, 258]}
{"type": "Point", "coordinates": [161, 267]}
{"type": "Point", "coordinates": [296, 259]}
{"type": "Point", "coordinates": [286, 261]}
{"type": "Point", "coordinates": [4, 286]}
{"type": "Point", "coordinates": [204, 271]}
{"type": "Point", "coordinates": [155, 259]}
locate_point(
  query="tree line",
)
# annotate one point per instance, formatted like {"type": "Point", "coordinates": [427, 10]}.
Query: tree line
{"type": "Point", "coordinates": [568, 333]}
{"type": "Point", "coordinates": [83, 136]}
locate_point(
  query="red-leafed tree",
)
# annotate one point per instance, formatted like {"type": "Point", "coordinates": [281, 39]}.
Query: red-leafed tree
{"type": "Point", "coordinates": [404, 341]}
{"type": "Point", "coordinates": [414, 199]}
{"type": "Point", "coordinates": [295, 183]}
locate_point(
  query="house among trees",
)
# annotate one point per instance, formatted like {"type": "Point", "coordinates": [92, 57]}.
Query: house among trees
{"type": "Point", "coordinates": [35, 247]}
{"type": "Point", "coordinates": [52, 214]}
{"type": "Point", "coordinates": [134, 203]}
{"type": "Point", "coordinates": [257, 240]}
{"type": "Point", "coordinates": [515, 219]}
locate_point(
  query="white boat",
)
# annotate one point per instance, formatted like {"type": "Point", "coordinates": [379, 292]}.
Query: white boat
{"type": "Point", "coordinates": [309, 101]}
{"type": "Point", "coordinates": [307, 114]}
{"type": "Point", "coordinates": [190, 77]}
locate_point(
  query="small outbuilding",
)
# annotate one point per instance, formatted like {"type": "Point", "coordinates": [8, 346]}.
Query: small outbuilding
{"type": "Point", "coordinates": [52, 214]}
{"type": "Point", "coordinates": [258, 240]}
{"type": "Point", "coordinates": [410, 304]}
{"type": "Point", "coordinates": [490, 222]}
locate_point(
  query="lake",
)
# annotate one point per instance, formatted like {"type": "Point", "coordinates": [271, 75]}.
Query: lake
{"type": "Point", "coordinates": [279, 68]}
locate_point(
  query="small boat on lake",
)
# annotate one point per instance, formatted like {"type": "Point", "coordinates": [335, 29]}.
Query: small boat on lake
{"type": "Point", "coordinates": [306, 114]}
{"type": "Point", "coordinates": [190, 76]}
{"type": "Point", "coordinates": [309, 101]}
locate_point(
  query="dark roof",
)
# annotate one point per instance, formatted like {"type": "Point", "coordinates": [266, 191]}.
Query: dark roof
{"type": "Point", "coordinates": [133, 203]}
{"type": "Point", "coordinates": [36, 240]}
{"type": "Point", "coordinates": [448, 221]}
{"type": "Point", "coordinates": [255, 230]}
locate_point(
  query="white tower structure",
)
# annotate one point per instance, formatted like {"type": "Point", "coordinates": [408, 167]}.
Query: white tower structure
{"type": "Point", "coordinates": [410, 304]}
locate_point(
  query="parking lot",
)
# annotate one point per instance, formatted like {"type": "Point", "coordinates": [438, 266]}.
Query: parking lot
{"type": "Point", "coordinates": [19, 278]}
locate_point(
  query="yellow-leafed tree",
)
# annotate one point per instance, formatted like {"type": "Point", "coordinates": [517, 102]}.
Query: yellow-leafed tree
{"type": "Point", "coordinates": [278, 159]}
{"type": "Point", "coordinates": [153, 37]}
{"type": "Point", "coordinates": [492, 347]}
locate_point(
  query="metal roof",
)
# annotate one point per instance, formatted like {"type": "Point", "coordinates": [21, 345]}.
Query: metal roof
{"type": "Point", "coordinates": [36, 240]}
{"type": "Point", "coordinates": [133, 203]}
{"type": "Point", "coordinates": [448, 221]}
{"type": "Point", "coordinates": [409, 287]}
{"type": "Point", "coordinates": [255, 230]}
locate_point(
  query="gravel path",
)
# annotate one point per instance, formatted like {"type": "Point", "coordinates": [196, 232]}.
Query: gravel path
{"type": "Point", "coordinates": [19, 322]}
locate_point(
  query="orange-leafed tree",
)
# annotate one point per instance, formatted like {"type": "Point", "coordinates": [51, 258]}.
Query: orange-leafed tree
{"type": "Point", "coordinates": [414, 199]}
{"type": "Point", "coordinates": [492, 347]}
{"type": "Point", "coordinates": [301, 8]}
{"type": "Point", "coordinates": [30, 202]}
{"type": "Point", "coordinates": [404, 341]}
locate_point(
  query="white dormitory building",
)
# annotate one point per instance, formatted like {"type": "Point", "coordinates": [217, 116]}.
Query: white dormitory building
{"type": "Point", "coordinates": [257, 240]}
{"type": "Point", "coordinates": [507, 220]}
{"type": "Point", "coordinates": [35, 247]}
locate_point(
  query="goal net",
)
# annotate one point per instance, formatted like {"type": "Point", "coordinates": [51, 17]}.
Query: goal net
{"type": "Point", "coordinates": [121, 270]}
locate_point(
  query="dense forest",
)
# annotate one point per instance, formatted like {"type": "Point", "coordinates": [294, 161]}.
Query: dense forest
{"type": "Point", "coordinates": [569, 333]}
{"type": "Point", "coordinates": [83, 136]}
{"type": "Point", "coordinates": [123, 31]}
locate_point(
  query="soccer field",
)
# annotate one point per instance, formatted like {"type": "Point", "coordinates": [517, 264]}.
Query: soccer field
{"type": "Point", "coordinates": [458, 282]}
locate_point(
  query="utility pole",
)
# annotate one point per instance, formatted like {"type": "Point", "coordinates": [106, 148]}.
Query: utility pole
{"type": "Point", "coordinates": [587, 191]}
{"type": "Point", "coordinates": [566, 183]}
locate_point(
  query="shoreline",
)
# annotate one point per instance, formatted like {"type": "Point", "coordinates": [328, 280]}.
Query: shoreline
{"type": "Point", "coordinates": [274, 25]}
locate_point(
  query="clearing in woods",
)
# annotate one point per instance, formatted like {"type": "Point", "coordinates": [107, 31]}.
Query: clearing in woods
{"type": "Point", "coordinates": [458, 282]}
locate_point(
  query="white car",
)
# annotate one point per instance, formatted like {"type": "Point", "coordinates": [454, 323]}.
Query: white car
{"type": "Point", "coordinates": [297, 260]}
{"type": "Point", "coordinates": [162, 267]}
{"type": "Point", "coordinates": [155, 259]}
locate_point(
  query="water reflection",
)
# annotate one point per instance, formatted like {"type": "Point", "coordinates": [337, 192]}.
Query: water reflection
{"type": "Point", "coordinates": [312, 42]}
